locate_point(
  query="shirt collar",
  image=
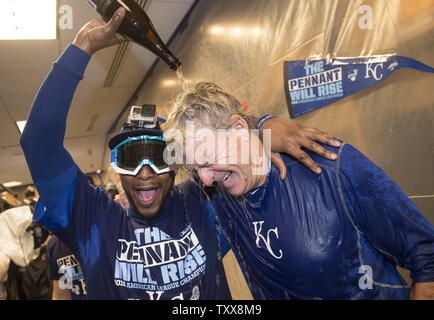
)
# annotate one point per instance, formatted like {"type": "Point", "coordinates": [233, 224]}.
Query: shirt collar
{"type": "Point", "coordinates": [256, 196]}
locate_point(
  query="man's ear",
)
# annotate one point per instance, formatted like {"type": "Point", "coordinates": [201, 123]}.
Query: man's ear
{"type": "Point", "coordinates": [240, 126]}
{"type": "Point", "coordinates": [238, 122]}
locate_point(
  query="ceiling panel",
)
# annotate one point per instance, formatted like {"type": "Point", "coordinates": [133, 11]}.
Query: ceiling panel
{"type": "Point", "coordinates": [87, 97]}
{"type": "Point", "coordinates": [8, 139]}
{"type": "Point", "coordinates": [21, 82]}
{"type": "Point", "coordinates": [103, 123]}
{"type": "Point", "coordinates": [166, 16]}
{"type": "Point", "coordinates": [138, 57]}
{"type": "Point", "coordinates": [129, 76]}
{"type": "Point", "coordinates": [119, 93]}
{"type": "Point", "coordinates": [19, 114]}
{"type": "Point", "coordinates": [9, 128]}
{"type": "Point", "coordinates": [4, 118]}
{"type": "Point", "coordinates": [25, 64]}
{"type": "Point", "coordinates": [14, 167]}
{"type": "Point", "coordinates": [79, 148]}
{"type": "Point", "coordinates": [83, 119]}
{"type": "Point", "coordinates": [103, 59]}
{"type": "Point", "coordinates": [27, 55]}
{"type": "Point", "coordinates": [18, 100]}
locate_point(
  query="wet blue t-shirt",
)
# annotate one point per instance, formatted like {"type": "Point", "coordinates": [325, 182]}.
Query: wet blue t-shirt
{"type": "Point", "coordinates": [64, 268]}
{"type": "Point", "coordinates": [337, 235]}
{"type": "Point", "coordinates": [176, 256]}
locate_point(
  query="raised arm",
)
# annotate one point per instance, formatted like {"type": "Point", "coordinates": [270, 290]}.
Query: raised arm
{"type": "Point", "coordinates": [51, 166]}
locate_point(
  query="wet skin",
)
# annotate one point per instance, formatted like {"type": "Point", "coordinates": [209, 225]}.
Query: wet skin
{"type": "Point", "coordinates": [148, 191]}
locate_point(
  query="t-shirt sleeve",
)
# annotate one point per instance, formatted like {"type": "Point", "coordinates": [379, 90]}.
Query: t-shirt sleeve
{"type": "Point", "coordinates": [385, 215]}
{"type": "Point", "coordinates": [52, 259]}
{"type": "Point", "coordinates": [79, 216]}
{"type": "Point", "coordinates": [50, 164]}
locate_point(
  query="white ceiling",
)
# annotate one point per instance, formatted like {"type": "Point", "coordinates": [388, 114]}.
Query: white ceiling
{"type": "Point", "coordinates": [24, 65]}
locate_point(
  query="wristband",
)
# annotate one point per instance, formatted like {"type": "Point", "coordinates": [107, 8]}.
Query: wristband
{"type": "Point", "coordinates": [262, 119]}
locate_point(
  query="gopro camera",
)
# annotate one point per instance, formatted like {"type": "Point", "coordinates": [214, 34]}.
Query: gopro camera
{"type": "Point", "coordinates": [144, 117]}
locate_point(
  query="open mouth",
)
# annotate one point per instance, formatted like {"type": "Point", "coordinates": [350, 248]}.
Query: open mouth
{"type": "Point", "coordinates": [227, 178]}
{"type": "Point", "coordinates": [147, 196]}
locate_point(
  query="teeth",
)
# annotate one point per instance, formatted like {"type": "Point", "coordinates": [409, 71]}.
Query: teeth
{"type": "Point", "coordinates": [226, 177]}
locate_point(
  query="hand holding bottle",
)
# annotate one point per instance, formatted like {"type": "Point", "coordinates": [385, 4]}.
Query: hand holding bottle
{"type": "Point", "coordinates": [136, 26]}
{"type": "Point", "coordinates": [97, 34]}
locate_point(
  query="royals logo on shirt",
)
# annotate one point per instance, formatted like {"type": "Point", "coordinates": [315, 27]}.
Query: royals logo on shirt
{"type": "Point", "coordinates": [265, 240]}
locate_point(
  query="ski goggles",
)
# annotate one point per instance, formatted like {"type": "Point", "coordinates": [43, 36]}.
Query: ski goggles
{"type": "Point", "coordinates": [133, 153]}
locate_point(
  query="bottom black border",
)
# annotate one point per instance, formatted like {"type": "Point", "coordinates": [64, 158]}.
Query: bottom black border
{"type": "Point", "coordinates": [212, 309]}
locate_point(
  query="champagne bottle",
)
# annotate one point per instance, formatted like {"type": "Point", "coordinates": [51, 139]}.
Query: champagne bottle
{"type": "Point", "coordinates": [137, 26]}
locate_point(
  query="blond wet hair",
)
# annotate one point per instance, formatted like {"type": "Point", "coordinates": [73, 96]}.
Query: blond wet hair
{"type": "Point", "coordinates": [208, 104]}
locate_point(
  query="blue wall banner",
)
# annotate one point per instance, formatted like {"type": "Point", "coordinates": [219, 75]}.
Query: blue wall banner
{"type": "Point", "coordinates": [313, 84]}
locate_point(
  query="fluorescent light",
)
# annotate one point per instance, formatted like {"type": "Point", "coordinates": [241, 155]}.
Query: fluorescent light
{"type": "Point", "coordinates": [21, 125]}
{"type": "Point", "coordinates": [12, 184]}
{"type": "Point", "coordinates": [168, 83]}
{"type": "Point", "coordinates": [216, 30]}
{"type": "Point", "coordinates": [256, 31]}
{"type": "Point", "coordinates": [236, 31]}
{"type": "Point", "coordinates": [26, 20]}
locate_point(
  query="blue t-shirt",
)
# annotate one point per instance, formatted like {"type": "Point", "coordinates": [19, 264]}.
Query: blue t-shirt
{"type": "Point", "coordinates": [338, 235]}
{"type": "Point", "coordinates": [65, 268]}
{"type": "Point", "coordinates": [175, 256]}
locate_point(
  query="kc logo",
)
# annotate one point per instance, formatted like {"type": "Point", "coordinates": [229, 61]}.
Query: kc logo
{"type": "Point", "coordinates": [258, 232]}
{"type": "Point", "coordinates": [372, 71]}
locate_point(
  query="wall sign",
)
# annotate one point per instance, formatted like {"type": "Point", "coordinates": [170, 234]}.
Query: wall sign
{"type": "Point", "coordinates": [310, 85]}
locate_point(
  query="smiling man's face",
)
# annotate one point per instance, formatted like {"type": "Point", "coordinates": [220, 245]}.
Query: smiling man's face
{"type": "Point", "coordinates": [148, 191]}
{"type": "Point", "coordinates": [226, 157]}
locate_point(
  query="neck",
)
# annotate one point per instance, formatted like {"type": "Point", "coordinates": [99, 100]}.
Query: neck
{"type": "Point", "coordinates": [260, 170]}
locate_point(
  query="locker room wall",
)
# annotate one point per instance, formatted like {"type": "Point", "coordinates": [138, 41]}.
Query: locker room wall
{"type": "Point", "coordinates": [241, 45]}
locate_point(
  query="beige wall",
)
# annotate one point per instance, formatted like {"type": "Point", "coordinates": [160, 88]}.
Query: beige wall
{"type": "Point", "coordinates": [392, 122]}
